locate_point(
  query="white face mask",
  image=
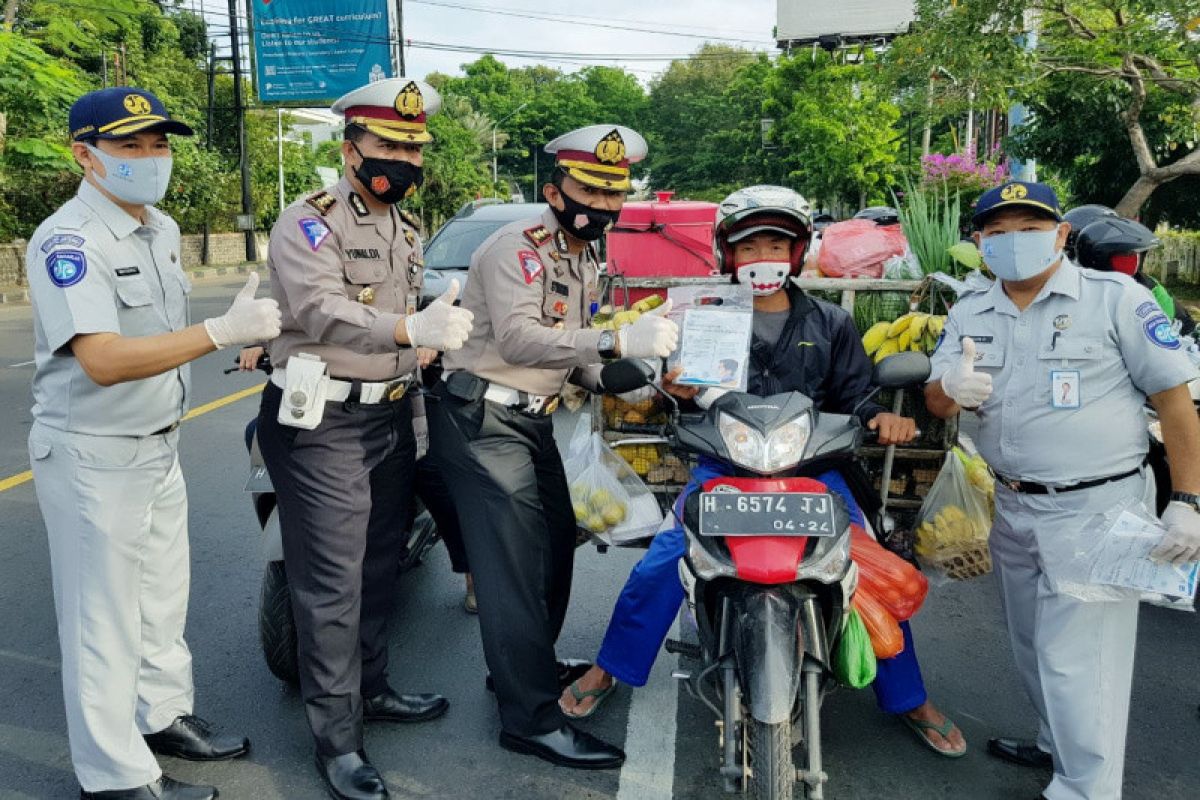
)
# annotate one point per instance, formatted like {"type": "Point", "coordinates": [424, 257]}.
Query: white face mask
{"type": "Point", "coordinates": [1020, 255]}
{"type": "Point", "coordinates": [764, 277]}
{"type": "Point", "coordinates": [137, 181]}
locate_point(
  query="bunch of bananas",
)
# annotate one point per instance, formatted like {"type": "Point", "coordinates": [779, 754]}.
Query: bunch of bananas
{"type": "Point", "coordinates": [915, 331]}
{"type": "Point", "coordinates": [951, 529]}
{"type": "Point", "coordinates": [606, 318]}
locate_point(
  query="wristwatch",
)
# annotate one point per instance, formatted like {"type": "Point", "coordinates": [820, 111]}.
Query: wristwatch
{"type": "Point", "coordinates": [608, 345]}
{"type": "Point", "coordinates": [1192, 500]}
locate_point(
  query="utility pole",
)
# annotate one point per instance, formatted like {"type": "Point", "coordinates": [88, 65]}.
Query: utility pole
{"type": "Point", "coordinates": [208, 133]}
{"type": "Point", "coordinates": [400, 33]}
{"type": "Point", "coordinates": [247, 216]}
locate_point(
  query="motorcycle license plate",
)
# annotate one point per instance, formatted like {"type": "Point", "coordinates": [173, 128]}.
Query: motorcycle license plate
{"type": "Point", "coordinates": [766, 514]}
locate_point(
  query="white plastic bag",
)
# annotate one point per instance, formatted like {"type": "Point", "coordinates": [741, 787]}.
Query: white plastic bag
{"type": "Point", "coordinates": [609, 499]}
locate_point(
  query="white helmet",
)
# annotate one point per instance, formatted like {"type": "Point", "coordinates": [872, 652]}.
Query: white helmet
{"type": "Point", "coordinates": [762, 208]}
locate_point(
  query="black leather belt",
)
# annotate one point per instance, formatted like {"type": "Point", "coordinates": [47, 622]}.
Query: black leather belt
{"type": "Point", "coordinates": [173, 426]}
{"type": "Point", "coordinates": [1027, 487]}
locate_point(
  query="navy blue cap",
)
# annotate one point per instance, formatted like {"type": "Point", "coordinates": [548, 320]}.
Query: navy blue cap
{"type": "Point", "coordinates": [1018, 194]}
{"type": "Point", "coordinates": [121, 111]}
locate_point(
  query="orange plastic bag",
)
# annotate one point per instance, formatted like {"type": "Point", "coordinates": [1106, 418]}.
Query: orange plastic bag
{"type": "Point", "coordinates": [887, 640]}
{"type": "Point", "coordinates": [897, 584]}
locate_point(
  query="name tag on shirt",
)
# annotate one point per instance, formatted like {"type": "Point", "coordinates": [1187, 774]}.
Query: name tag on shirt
{"type": "Point", "coordinates": [1064, 388]}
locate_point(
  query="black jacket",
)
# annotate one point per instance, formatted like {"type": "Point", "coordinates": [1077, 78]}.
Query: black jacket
{"type": "Point", "coordinates": [819, 353]}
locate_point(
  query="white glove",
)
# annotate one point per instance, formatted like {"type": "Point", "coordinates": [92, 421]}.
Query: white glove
{"type": "Point", "coordinates": [710, 395]}
{"type": "Point", "coordinates": [652, 335]}
{"type": "Point", "coordinates": [1181, 543]}
{"type": "Point", "coordinates": [962, 383]}
{"type": "Point", "coordinates": [442, 325]}
{"type": "Point", "coordinates": [248, 321]}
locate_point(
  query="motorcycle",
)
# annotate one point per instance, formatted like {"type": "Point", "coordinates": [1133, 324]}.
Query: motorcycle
{"type": "Point", "coordinates": [276, 624]}
{"type": "Point", "coordinates": [767, 572]}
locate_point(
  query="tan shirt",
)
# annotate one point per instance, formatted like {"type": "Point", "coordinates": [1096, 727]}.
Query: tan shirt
{"type": "Point", "coordinates": [532, 305]}
{"type": "Point", "coordinates": [343, 278]}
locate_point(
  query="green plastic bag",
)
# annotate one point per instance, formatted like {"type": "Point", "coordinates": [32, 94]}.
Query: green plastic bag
{"type": "Point", "coordinates": [854, 661]}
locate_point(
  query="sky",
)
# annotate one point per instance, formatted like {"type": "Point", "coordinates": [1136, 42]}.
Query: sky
{"type": "Point", "coordinates": [578, 28]}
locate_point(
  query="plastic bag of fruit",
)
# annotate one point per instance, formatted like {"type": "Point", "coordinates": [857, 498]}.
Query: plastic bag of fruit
{"type": "Point", "coordinates": [955, 520]}
{"type": "Point", "coordinates": [609, 499]}
{"type": "Point", "coordinates": [887, 640]}
{"type": "Point", "coordinates": [854, 661]}
{"type": "Point", "coordinates": [898, 585]}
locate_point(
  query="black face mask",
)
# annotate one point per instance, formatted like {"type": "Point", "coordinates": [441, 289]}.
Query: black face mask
{"type": "Point", "coordinates": [388, 181]}
{"type": "Point", "coordinates": [598, 219]}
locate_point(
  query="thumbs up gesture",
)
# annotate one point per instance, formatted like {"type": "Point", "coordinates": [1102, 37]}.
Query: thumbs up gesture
{"type": "Point", "coordinates": [962, 383]}
{"type": "Point", "coordinates": [248, 320]}
{"type": "Point", "coordinates": [442, 325]}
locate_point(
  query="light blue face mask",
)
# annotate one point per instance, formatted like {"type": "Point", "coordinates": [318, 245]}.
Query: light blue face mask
{"type": "Point", "coordinates": [137, 181]}
{"type": "Point", "coordinates": [1021, 255]}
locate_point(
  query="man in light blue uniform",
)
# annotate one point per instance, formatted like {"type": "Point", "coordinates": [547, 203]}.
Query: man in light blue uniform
{"type": "Point", "coordinates": [112, 345]}
{"type": "Point", "coordinates": [1057, 362]}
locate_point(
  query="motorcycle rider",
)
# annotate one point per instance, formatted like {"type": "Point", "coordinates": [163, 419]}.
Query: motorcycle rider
{"type": "Point", "coordinates": [801, 344]}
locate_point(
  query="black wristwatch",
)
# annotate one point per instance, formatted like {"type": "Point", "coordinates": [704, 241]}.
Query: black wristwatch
{"type": "Point", "coordinates": [1192, 500]}
{"type": "Point", "coordinates": [608, 345]}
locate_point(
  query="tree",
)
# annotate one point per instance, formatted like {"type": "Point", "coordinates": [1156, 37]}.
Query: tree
{"type": "Point", "coordinates": [454, 172]}
{"type": "Point", "coordinates": [836, 128]}
{"type": "Point", "coordinates": [1141, 54]}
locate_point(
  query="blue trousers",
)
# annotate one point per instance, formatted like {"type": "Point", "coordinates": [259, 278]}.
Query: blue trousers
{"type": "Point", "coordinates": [650, 601]}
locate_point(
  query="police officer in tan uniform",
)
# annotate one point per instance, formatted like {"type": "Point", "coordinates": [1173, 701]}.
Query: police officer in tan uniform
{"type": "Point", "coordinates": [335, 424]}
{"type": "Point", "coordinates": [531, 289]}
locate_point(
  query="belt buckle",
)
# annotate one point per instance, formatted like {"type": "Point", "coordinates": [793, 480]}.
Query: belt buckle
{"type": "Point", "coordinates": [1011, 485]}
{"type": "Point", "coordinates": [396, 390]}
{"type": "Point", "coordinates": [542, 407]}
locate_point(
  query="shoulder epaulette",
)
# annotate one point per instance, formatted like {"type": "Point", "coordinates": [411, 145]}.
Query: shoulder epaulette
{"type": "Point", "coordinates": [322, 201]}
{"type": "Point", "coordinates": [538, 235]}
{"type": "Point", "coordinates": [410, 218]}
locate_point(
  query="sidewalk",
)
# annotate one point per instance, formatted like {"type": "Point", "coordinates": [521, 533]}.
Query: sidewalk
{"type": "Point", "coordinates": [16, 295]}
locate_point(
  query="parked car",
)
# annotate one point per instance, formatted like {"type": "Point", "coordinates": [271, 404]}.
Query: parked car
{"type": "Point", "coordinates": [448, 253]}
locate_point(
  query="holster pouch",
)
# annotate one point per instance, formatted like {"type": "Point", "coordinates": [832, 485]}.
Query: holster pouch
{"type": "Point", "coordinates": [466, 386]}
{"type": "Point", "coordinates": [420, 423]}
{"type": "Point", "coordinates": [306, 385]}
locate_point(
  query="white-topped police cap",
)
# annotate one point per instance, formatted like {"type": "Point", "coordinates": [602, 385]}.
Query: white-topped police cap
{"type": "Point", "coordinates": [393, 108]}
{"type": "Point", "coordinates": [599, 155]}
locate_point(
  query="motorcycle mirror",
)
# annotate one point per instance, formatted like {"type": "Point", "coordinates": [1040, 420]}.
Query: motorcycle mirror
{"type": "Point", "coordinates": [626, 375]}
{"type": "Point", "coordinates": [900, 370]}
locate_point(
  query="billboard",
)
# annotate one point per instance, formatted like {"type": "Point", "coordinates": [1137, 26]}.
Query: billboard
{"type": "Point", "coordinates": [803, 21]}
{"type": "Point", "coordinates": [314, 51]}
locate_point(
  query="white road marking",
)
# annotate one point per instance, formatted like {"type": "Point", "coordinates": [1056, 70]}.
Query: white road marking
{"type": "Point", "coordinates": [22, 364]}
{"type": "Point", "coordinates": [649, 769]}
{"type": "Point", "coordinates": [13, 655]}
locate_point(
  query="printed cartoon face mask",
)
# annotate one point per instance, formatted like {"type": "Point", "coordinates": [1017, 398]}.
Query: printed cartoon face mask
{"type": "Point", "coordinates": [764, 277]}
{"type": "Point", "coordinates": [1020, 255]}
{"type": "Point", "coordinates": [137, 181]}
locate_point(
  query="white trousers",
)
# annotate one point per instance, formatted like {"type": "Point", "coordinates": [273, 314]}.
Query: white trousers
{"type": "Point", "coordinates": [1075, 658]}
{"type": "Point", "coordinates": [115, 509]}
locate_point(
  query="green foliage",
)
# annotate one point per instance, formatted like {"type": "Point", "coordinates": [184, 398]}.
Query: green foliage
{"type": "Point", "coordinates": [835, 127]}
{"type": "Point", "coordinates": [455, 172]}
{"type": "Point", "coordinates": [929, 216]}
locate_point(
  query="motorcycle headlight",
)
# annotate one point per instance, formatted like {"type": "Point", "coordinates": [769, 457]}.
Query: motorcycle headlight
{"type": "Point", "coordinates": [783, 448]}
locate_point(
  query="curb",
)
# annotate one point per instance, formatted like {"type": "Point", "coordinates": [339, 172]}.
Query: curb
{"type": "Point", "coordinates": [19, 295]}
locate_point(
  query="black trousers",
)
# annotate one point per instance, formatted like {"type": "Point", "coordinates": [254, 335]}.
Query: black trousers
{"type": "Point", "coordinates": [431, 488]}
{"type": "Point", "coordinates": [345, 492]}
{"type": "Point", "coordinates": [505, 473]}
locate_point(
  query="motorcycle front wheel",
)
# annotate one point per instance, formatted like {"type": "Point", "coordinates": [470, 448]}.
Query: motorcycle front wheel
{"type": "Point", "coordinates": [276, 626]}
{"type": "Point", "coordinates": [772, 771]}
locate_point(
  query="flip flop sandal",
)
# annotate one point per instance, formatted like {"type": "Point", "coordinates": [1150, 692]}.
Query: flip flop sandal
{"type": "Point", "coordinates": [919, 727]}
{"type": "Point", "coordinates": [580, 695]}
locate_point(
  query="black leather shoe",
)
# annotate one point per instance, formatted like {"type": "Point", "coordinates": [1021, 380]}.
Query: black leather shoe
{"type": "Point", "coordinates": [162, 789]}
{"type": "Point", "coordinates": [389, 706]}
{"type": "Point", "coordinates": [351, 777]}
{"type": "Point", "coordinates": [567, 747]}
{"type": "Point", "coordinates": [1020, 751]}
{"type": "Point", "coordinates": [193, 739]}
{"type": "Point", "coordinates": [569, 671]}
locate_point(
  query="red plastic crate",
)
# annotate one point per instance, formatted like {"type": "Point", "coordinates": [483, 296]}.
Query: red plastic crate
{"type": "Point", "coordinates": [662, 238]}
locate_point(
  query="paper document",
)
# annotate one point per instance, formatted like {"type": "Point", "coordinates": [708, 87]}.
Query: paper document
{"type": "Point", "coordinates": [1123, 559]}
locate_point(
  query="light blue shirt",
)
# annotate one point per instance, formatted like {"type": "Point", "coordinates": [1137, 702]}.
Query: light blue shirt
{"type": "Point", "coordinates": [95, 269]}
{"type": "Point", "coordinates": [1101, 328]}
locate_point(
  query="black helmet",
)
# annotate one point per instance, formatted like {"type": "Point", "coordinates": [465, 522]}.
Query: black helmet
{"type": "Point", "coordinates": [1114, 244]}
{"type": "Point", "coordinates": [1080, 217]}
{"type": "Point", "coordinates": [880, 215]}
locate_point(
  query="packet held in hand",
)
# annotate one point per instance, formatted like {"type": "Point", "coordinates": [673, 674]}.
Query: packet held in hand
{"type": "Point", "coordinates": [716, 324]}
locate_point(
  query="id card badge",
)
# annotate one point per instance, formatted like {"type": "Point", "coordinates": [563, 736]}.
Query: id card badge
{"type": "Point", "coordinates": [1064, 388]}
